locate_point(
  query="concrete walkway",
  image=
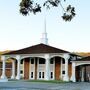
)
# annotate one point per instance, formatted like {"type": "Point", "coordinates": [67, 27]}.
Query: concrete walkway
{"type": "Point", "coordinates": [22, 85]}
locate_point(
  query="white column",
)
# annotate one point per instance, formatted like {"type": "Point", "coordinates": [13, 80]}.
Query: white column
{"type": "Point", "coordinates": [13, 69]}
{"type": "Point", "coordinates": [73, 77]}
{"type": "Point", "coordinates": [3, 76]}
{"type": "Point", "coordinates": [47, 67]}
{"type": "Point", "coordinates": [18, 67]}
{"type": "Point", "coordinates": [66, 77]}
{"type": "Point", "coordinates": [82, 76]}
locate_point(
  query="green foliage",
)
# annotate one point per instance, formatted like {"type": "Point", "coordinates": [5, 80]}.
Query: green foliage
{"type": "Point", "coordinates": [69, 14]}
{"type": "Point", "coordinates": [48, 81]}
{"type": "Point", "coordinates": [29, 6]}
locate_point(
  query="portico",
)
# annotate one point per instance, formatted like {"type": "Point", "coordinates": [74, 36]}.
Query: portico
{"type": "Point", "coordinates": [44, 64]}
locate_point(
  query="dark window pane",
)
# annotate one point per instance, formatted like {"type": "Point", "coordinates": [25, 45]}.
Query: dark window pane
{"type": "Point", "coordinates": [31, 74]}
{"type": "Point", "coordinates": [32, 61]}
{"type": "Point", "coordinates": [21, 62]}
{"type": "Point", "coordinates": [51, 61]}
{"type": "Point", "coordinates": [21, 71]}
{"type": "Point", "coordinates": [51, 74]}
{"type": "Point", "coordinates": [41, 61]}
{"type": "Point", "coordinates": [39, 74]}
{"type": "Point", "coordinates": [42, 74]}
{"type": "Point", "coordinates": [63, 61]}
{"type": "Point", "coordinates": [63, 72]}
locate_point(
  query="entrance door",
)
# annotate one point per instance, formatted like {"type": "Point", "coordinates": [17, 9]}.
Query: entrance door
{"type": "Point", "coordinates": [41, 75]}
{"type": "Point", "coordinates": [32, 68]}
{"type": "Point", "coordinates": [41, 69]}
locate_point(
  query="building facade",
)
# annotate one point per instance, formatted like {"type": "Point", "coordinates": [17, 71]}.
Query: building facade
{"type": "Point", "coordinates": [44, 62]}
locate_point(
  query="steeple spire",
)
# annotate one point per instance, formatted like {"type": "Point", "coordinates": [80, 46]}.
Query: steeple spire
{"type": "Point", "coordinates": [44, 38]}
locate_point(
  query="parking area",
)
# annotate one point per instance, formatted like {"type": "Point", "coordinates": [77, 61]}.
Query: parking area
{"type": "Point", "coordinates": [23, 85]}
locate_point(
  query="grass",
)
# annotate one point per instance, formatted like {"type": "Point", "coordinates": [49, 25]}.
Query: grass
{"type": "Point", "coordinates": [40, 81]}
{"type": "Point", "coordinates": [47, 81]}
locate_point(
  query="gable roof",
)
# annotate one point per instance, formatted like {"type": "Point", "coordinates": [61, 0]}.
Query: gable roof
{"type": "Point", "coordinates": [37, 49]}
{"type": "Point", "coordinates": [84, 59]}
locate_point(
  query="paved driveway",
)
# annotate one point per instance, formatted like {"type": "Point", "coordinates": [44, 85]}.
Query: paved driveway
{"type": "Point", "coordinates": [22, 85]}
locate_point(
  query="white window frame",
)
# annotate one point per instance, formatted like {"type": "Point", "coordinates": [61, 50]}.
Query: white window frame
{"type": "Point", "coordinates": [52, 70]}
{"type": "Point", "coordinates": [38, 67]}
{"type": "Point", "coordinates": [32, 70]}
{"type": "Point", "coordinates": [62, 69]}
{"type": "Point", "coordinates": [22, 68]}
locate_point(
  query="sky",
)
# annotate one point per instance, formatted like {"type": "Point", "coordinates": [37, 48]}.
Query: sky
{"type": "Point", "coordinates": [18, 31]}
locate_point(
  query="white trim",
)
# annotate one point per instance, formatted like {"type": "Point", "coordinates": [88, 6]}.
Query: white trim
{"type": "Point", "coordinates": [54, 70]}
{"type": "Point", "coordinates": [37, 68]}
{"type": "Point", "coordinates": [13, 70]}
{"type": "Point", "coordinates": [22, 56]}
{"type": "Point", "coordinates": [82, 74]}
{"type": "Point", "coordinates": [40, 70]}
{"type": "Point", "coordinates": [3, 76]}
{"type": "Point", "coordinates": [73, 76]}
{"type": "Point", "coordinates": [34, 68]}
{"type": "Point", "coordinates": [22, 68]}
{"type": "Point", "coordinates": [33, 56]}
{"type": "Point", "coordinates": [66, 77]}
{"type": "Point", "coordinates": [77, 63]}
{"type": "Point", "coordinates": [31, 69]}
{"type": "Point", "coordinates": [56, 55]}
{"type": "Point", "coordinates": [63, 69]}
{"type": "Point", "coordinates": [18, 68]}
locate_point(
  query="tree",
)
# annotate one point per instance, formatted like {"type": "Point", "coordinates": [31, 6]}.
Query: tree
{"type": "Point", "coordinates": [29, 6]}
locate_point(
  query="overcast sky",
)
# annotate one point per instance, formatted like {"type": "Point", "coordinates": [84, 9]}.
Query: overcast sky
{"type": "Point", "coordinates": [17, 31]}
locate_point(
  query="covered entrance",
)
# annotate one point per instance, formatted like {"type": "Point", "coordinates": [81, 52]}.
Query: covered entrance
{"type": "Point", "coordinates": [81, 70]}
{"type": "Point", "coordinates": [42, 62]}
{"type": "Point", "coordinates": [83, 73]}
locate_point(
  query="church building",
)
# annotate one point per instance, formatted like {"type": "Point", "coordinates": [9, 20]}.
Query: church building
{"type": "Point", "coordinates": [45, 62]}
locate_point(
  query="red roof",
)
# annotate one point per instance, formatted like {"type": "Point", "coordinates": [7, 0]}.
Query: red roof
{"type": "Point", "coordinates": [37, 49]}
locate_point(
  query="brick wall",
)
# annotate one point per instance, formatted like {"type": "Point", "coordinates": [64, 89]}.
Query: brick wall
{"type": "Point", "coordinates": [57, 68]}
{"type": "Point", "coordinates": [70, 69]}
{"type": "Point", "coordinates": [26, 68]}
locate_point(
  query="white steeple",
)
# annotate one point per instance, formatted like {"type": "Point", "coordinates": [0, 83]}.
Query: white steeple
{"type": "Point", "coordinates": [44, 38]}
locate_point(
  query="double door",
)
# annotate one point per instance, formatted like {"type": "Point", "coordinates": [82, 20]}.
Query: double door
{"type": "Point", "coordinates": [41, 75]}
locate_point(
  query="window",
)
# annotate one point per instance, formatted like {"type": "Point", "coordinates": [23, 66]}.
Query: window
{"type": "Point", "coordinates": [21, 71]}
{"type": "Point", "coordinates": [41, 61]}
{"type": "Point", "coordinates": [42, 74]}
{"type": "Point", "coordinates": [39, 74]}
{"type": "Point", "coordinates": [63, 61]}
{"type": "Point", "coordinates": [51, 61]}
{"type": "Point", "coordinates": [21, 62]}
{"type": "Point", "coordinates": [31, 74]}
{"type": "Point", "coordinates": [51, 75]}
{"type": "Point", "coordinates": [32, 61]}
{"type": "Point", "coordinates": [63, 72]}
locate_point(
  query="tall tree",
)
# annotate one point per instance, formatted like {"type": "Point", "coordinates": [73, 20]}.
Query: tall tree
{"type": "Point", "coordinates": [30, 6]}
